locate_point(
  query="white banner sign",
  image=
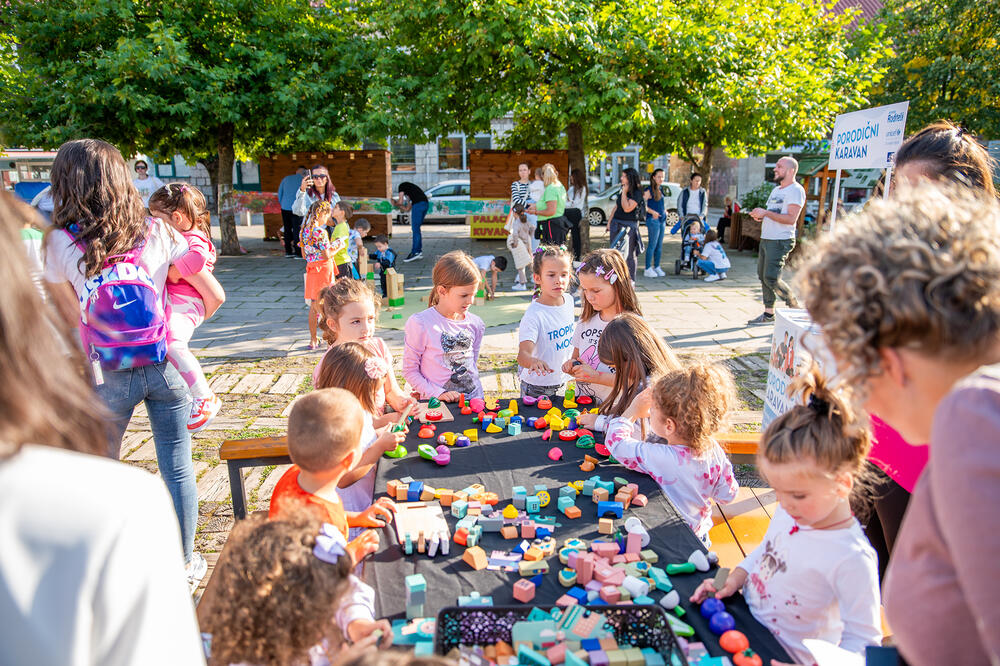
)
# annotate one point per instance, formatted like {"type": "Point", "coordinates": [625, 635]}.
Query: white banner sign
{"type": "Point", "coordinates": [868, 139]}
{"type": "Point", "coordinates": [795, 343]}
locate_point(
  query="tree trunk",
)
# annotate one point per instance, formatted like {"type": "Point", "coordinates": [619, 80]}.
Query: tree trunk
{"type": "Point", "coordinates": [577, 160]}
{"type": "Point", "coordinates": [224, 189]}
{"type": "Point", "coordinates": [705, 166]}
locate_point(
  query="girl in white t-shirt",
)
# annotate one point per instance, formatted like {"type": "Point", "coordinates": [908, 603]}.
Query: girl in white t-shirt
{"type": "Point", "coordinates": [349, 311]}
{"type": "Point", "coordinates": [546, 330]}
{"type": "Point", "coordinates": [815, 575]}
{"type": "Point", "coordinates": [684, 408]}
{"type": "Point", "coordinates": [607, 292]}
{"type": "Point", "coordinates": [713, 258]}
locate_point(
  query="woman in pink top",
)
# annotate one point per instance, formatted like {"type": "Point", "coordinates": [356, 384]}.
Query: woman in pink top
{"type": "Point", "coordinates": [185, 209]}
{"type": "Point", "coordinates": [908, 297]}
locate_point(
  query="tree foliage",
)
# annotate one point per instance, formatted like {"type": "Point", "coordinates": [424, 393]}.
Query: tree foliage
{"type": "Point", "coordinates": [208, 79]}
{"type": "Point", "coordinates": [946, 62]}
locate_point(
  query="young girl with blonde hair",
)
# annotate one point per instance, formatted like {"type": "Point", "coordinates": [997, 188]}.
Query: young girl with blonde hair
{"type": "Point", "coordinates": [184, 208]}
{"type": "Point", "coordinates": [442, 342]}
{"type": "Point", "coordinates": [607, 292]}
{"type": "Point", "coordinates": [349, 312]}
{"type": "Point", "coordinates": [815, 575]}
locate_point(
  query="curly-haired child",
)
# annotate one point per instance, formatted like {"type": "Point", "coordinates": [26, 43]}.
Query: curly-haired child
{"type": "Point", "coordinates": [685, 407]}
{"type": "Point", "coordinates": [815, 575]}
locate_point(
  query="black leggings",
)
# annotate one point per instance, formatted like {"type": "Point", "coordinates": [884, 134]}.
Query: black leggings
{"type": "Point", "coordinates": [881, 518]}
{"type": "Point", "coordinates": [575, 217]}
{"type": "Point", "coordinates": [291, 225]}
{"type": "Point", "coordinates": [553, 230]}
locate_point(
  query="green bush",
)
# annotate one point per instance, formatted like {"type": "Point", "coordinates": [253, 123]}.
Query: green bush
{"type": "Point", "coordinates": [756, 198]}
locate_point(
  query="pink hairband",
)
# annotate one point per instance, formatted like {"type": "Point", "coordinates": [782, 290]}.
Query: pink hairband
{"type": "Point", "coordinates": [376, 368]}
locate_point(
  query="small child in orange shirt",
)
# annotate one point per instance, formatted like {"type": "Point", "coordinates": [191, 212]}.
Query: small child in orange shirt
{"type": "Point", "coordinates": [324, 442]}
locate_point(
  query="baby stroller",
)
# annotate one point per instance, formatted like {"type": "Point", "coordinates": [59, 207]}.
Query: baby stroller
{"type": "Point", "coordinates": [689, 244]}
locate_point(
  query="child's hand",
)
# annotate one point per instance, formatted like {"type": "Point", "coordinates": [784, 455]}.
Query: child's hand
{"type": "Point", "coordinates": [450, 396]}
{"type": "Point", "coordinates": [539, 366]}
{"type": "Point", "coordinates": [359, 630]}
{"type": "Point", "coordinates": [587, 420]}
{"type": "Point", "coordinates": [707, 588]}
{"type": "Point", "coordinates": [387, 503]}
{"type": "Point", "coordinates": [567, 367]}
{"type": "Point", "coordinates": [399, 402]}
{"type": "Point", "coordinates": [377, 515]}
{"type": "Point", "coordinates": [583, 373]}
{"type": "Point", "coordinates": [363, 546]}
{"type": "Point", "coordinates": [387, 440]}
{"type": "Point", "coordinates": [640, 404]}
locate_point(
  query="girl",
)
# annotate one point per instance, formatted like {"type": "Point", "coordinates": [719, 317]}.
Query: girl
{"type": "Point", "coordinates": [442, 342]}
{"type": "Point", "coordinates": [354, 368]}
{"type": "Point", "coordinates": [607, 293]}
{"type": "Point", "coordinates": [280, 592]}
{"type": "Point", "coordinates": [316, 186]}
{"type": "Point", "coordinates": [638, 356]}
{"type": "Point", "coordinates": [519, 235]}
{"type": "Point", "coordinates": [656, 219]}
{"type": "Point", "coordinates": [340, 236]}
{"type": "Point", "coordinates": [713, 258]}
{"type": "Point", "coordinates": [349, 312]}
{"type": "Point", "coordinates": [684, 408]}
{"type": "Point", "coordinates": [319, 252]}
{"type": "Point", "coordinates": [185, 209]}
{"type": "Point", "coordinates": [629, 209]}
{"type": "Point", "coordinates": [545, 333]}
{"type": "Point", "coordinates": [576, 209]}
{"type": "Point", "coordinates": [815, 574]}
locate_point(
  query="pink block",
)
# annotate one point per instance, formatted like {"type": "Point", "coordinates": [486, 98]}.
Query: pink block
{"type": "Point", "coordinates": [524, 590]}
{"type": "Point", "coordinates": [603, 573]}
{"type": "Point", "coordinates": [633, 544]}
{"type": "Point", "coordinates": [584, 569]}
{"type": "Point", "coordinates": [640, 500]}
{"type": "Point", "coordinates": [611, 594]}
{"type": "Point", "coordinates": [605, 549]}
{"type": "Point", "coordinates": [557, 654]}
{"type": "Point", "coordinates": [616, 577]}
{"type": "Point", "coordinates": [528, 529]}
{"type": "Point", "coordinates": [572, 559]}
{"type": "Point", "coordinates": [565, 601]}
{"type": "Point", "coordinates": [618, 559]}
{"type": "Point", "coordinates": [631, 557]}
{"type": "Point", "coordinates": [632, 489]}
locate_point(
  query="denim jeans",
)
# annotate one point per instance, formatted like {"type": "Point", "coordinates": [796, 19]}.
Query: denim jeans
{"type": "Point", "coordinates": [417, 215]}
{"type": "Point", "coordinates": [709, 267]}
{"type": "Point", "coordinates": [168, 405]}
{"type": "Point", "coordinates": [655, 248]}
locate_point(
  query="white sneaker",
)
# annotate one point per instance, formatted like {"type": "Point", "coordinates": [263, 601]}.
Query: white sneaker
{"type": "Point", "coordinates": [195, 570]}
{"type": "Point", "coordinates": [713, 278]}
{"type": "Point", "coordinates": [659, 272]}
{"type": "Point", "coordinates": [519, 286]}
{"type": "Point", "coordinates": [650, 272]}
{"type": "Point", "coordinates": [723, 276]}
{"type": "Point", "coordinates": [203, 410]}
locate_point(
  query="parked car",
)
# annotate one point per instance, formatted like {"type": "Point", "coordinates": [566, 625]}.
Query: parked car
{"type": "Point", "coordinates": [447, 190]}
{"type": "Point", "coordinates": [602, 206]}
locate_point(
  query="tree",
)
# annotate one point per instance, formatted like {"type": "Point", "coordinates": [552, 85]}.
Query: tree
{"type": "Point", "coordinates": [753, 77]}
{"type": "Point", "coordinates": [946, 62]}
{"type": "Point", "coordinates": [208, 79]}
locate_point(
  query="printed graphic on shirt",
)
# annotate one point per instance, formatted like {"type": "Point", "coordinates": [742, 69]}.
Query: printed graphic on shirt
{"type": "Point", "coordinates": [457, 355]}
{"type": "Point", "coordinates": [770, 564]}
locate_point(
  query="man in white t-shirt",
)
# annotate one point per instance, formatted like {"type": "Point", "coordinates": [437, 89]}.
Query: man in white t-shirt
{"type": "Point", "coordinates": [145, 183]}
{"type": "Point", "coordinates": [777, 237]}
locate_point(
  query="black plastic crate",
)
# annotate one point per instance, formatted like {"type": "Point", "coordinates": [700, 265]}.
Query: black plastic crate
{"type": "Point", "coordinates": [638, 626]}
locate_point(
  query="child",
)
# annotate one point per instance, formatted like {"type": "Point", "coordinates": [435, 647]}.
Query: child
{"type": "Point", "coordinates": [713, 259]}
{"type": "Point", "coordinates": [349, 312]}
{"type": "Point", "coordinates": [545, 334]}
{"type": "Point", "coordinates": [519, 235]}
{"type": "Point", "coordinates": [352, 367]}
{"type": "Point", "coordinates": [279, 593]}
{"type": "Point", "coordinates": [340, 235]}
{"type": "Point", "coordinates": [607, 293]}
{"type": "Point", "coordinates": [492, 264]}
{"type": "Point", "coordinates": [185, 209]}
{"type": "Point", "coordinates": [442, 342]}
{"type": "Point", "coordinates": [384, 258]}
{"type": "Point", "coordinates": [638, 356]}
{"type": "Point", "coordinates": [324, 434]}
{"type": "Point", "coordinates": [318, 252]}
{"type": "Point", "coordinates": [693, 240]}
{"type": "Point", "coordinates": [685, 407]}
{"type": "Point", "coordinates": [815, 575]}
{"type": "Point", "coordinates": [355, 243]}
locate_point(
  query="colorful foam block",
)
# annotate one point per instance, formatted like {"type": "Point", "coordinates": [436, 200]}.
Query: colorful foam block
{"type": "Point", "coordinates": [532, 504]}
{"type": "Point", "coordinates": [555, 453]}
{"type": "Point", "coordinates": [606, 526]}
{"type": "Point", "coordinates": [508, 532]}
{"type": "Point", "coordinates": [493, 428]}
{"type": "Point", "coordinates": [459, 508]}
{"type": "Point", "coordinates": [475, 557]}
{"type": "Point", "coordinates": [524, 590]}
{"type": "Point", "coordinates": [604, 508]}
{"type": "Point", "coordinates": [514, 429]}
{"type": "Point", "coordinates": [567, 577]}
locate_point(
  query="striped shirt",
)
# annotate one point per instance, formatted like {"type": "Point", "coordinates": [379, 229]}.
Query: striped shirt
{"type": "Point", "coordinates": [519, 192]}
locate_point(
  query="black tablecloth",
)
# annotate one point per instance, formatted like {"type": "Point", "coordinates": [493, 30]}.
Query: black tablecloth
{"type": "Point", "coordinates": [500, 462]}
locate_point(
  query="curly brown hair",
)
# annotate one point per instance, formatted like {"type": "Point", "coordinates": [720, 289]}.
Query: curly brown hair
{"type": "Point", "coordinates": [275, 599]}
{"type": "Point", "coordinates": [608, 260]}
{"type": "Point", "coordinates": [93, 190]}
{"type": "Point", "coordinates": [630, 346]}
{"type": "Point", "coordinates": [825, 428]}
{"type": "Point", "coordinates": [921, 271]}
{"type": "Point", "coordinates": [697, 398]}
{"type": "Point", "coordinates": [333, 298]}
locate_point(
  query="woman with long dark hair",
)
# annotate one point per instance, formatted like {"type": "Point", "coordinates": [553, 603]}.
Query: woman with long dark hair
{"type": "Point", "coordinates": [656, 220]}
{"type": "Point", "coordinates": [316, 186]}
{"type": "Point", "coordinates": [629, 209]}
{"type": "Point", "coordinates": [576, 208]}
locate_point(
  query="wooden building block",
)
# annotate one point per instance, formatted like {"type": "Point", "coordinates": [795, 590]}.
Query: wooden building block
{"type": "Point", "coordinates": [475, 557]}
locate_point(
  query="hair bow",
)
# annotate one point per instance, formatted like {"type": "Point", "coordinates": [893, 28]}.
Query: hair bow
{"type": "Point", "coordinates": [330, 544]}
{"type": "Point", "coordinates": [376, 368]}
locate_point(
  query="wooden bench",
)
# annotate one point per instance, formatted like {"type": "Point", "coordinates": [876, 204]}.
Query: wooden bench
{"type": "Point", "coordinates": [241, 453]}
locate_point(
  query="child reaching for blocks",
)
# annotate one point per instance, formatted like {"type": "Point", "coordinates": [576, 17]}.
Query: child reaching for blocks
{"type": "Point", "coordinates": [493, 265]}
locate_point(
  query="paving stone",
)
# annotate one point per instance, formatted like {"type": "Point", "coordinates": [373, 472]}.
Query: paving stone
{"type": "Point", "coordinates": [287, 383]}
{"type": "Point", "coordinates": [225, 423]}
{"type": "Point", "coordinates": [213, 486]}
{"type": "Point", "coordinates": [148, 449]}
{"type": "Point", "coordinates": [253, 383]}
{"type": "Point", "coordinates": [223, 383]}
{"type": "Point", "coordinates": [269, 422]}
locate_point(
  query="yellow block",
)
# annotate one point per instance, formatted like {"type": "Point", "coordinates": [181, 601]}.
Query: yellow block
{"type": "Point", "coordinates": [555, 411]}
{"type": "Point", "coordinates": [569, 404]}
{"type": "Point", "coordinates": [493, 428]}
{"type": "Point", "coordinates": [472, 434]}
{"type": "Point", "coordinates": [556, 423]}
{"type": "Point", "coordinates": [449, 438]}
{"type": "Point", "coordinates": [513, 407]}
{"type": "Point", "coordinates": [510, 511]}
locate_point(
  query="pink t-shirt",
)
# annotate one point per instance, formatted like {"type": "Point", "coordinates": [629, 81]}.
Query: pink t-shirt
{"type": "Point", "coordinates": [902, 461]}
{"type": "Point", "coordinates": [199, 257]}
{"type": "Point", "coordinates": [381, 350]}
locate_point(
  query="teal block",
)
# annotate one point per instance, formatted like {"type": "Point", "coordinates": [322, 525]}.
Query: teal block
{"type": "Point", "coordinates": [514, 429]}
{"type": "Point", "coordinates": [565, 503]}
{"type": "Point", "coordinates": [526, 655]}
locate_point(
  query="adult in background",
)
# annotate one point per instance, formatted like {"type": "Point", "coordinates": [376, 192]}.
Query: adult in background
{"type": "Point", "coordinates": [90, 568]}
{"type": "Point", "coordinates": [520, 195]}
{"type": "Point", "coordinates": [99, 221]}
{"type": "Point", "coordinates": [945, 153]}
{"type": "Point", "coordinates": [576, 207]}
{"type": "Point", "coordinates": [535, 189]}
{"type": "Point", "coordinates": [411, 198]}
{"type": "Point", "coordinates": [726, 220]}
{"type": "Point", "coordinates": [145, 183]}
{"type": "Point", "coordinates": [907, 295]}
{"type": "Point", "coordinates": [630, 208]}
{"type": "Point", "coordinates": [656, 220]}
{"type": "Point", "coordinates": [551, 208]}
{"type": "Point", "coordinates": [315, 186]}
{"type": "Point", "coordinates": [777, 237]}
{"type": "Point", "coordinates": [693, 200]}
{"type": "Point", "coordinates": [290, 222]}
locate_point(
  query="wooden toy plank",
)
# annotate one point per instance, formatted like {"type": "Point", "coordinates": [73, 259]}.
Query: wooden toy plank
{"type": "Point", "coordinates": [446, 414]}
{"type": "Point", "coordinates": [417, 517]}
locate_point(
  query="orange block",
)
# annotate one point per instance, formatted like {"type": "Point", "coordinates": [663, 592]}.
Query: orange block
{"type": "Point", "coordinates": [392, 487]}
{"type": "Point", "coordinates": [504, 649]}
{"type": "Point", "coordinates": [533, 554]}
{"type": "Point", "coordinates": [508, 532]}
{"type": "Point", "coordinates": [475, 557]}
{"type": "Point", "coordinates": [401, 491]}
{"type": "Point", "coordinates": [572, 512]}
{"type": "Point", "coordinates": [587, 466]}
{"type": "Point", "coordinates": [447, 497]}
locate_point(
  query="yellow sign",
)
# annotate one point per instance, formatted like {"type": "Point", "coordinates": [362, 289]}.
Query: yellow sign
{"type": "Point", "coordinates": [487, 226]}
